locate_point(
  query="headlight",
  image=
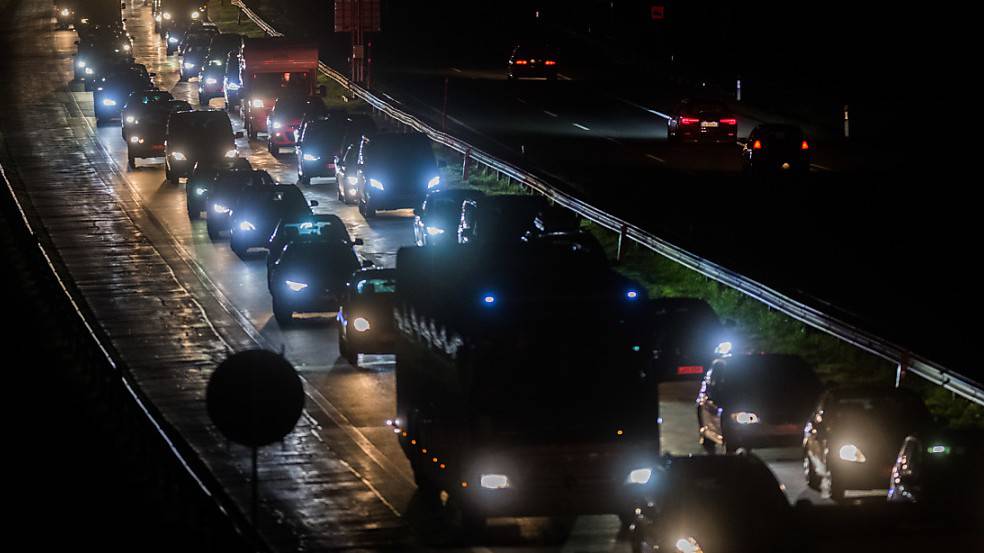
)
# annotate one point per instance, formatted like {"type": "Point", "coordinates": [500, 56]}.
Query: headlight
{"type": "Point", "coordinates": [130, 119]}
{"type": "Point", "coordinates": [938, 449]}
{"type": "Point", "coordinates": [178, 156]}
{"type": "Point", "coordinates": [360, 324]}
{"type": "Point", "coordinates": [745, 417]}
{"type": "Point", "coordinates": [126, 47]}
{"type": "Point", "coordinates": [257, 103]}
{"type": "Point", "coordinates": [352, 181]}
{"type": "Point", "coordinates": [219, 208]}
{"type": "Point", "coordinates": [199, 191]}
{"type": "Point", "coordinates": [195, 15]}
{"type": "Point", "coordinates": [65, 12]}
{"type": "Point", "coordinates": [376, 184]}
{"type": "Point", "coordinates": [167, 15]}
{"type": "Point", "coordinates": [277, 124]}
{"type": "Point", "coordinates": [639, 476]}
{"type": "Point", "coordinates": [232, 86]}
{"type": "Point", "coordinates": [295, 286]}
{"type": "Point", "coordinates": [851, 453]}
{"type": "Point", "coordinates": [632, 294]}
{"type": "Point", "coordinates": [216, 62]}
{"type": "Point", "coordinates": [434, 231]}
{"type": "Point", "coordinates": [231, 153]}
{"type": "Point", "coordinates": [246, 226]}
{"type": "Point", "coordinates": [352, 191]}
{"type": "Point", "coordinates": [157, 18]}
{"type": "Point", "coordinates": [81, 64]}
{"type": "Point", "coordinates": [109, 102]}
{"type": "Point", "coordinates": [688, 545]}
{"type": "Point", "coordinates": [172, 39]}
{"type": "Point", "coordinates": [134, 139]}
{"type": "Point", "coordinates": [433, 182]}
{"type": "Point", "coordinates": [211, 80]}
{"type": "Point", "coordinates": [311, 157]}
{"type": "Point", "coordinates": [494, 481]}
{"type": "Point", "coordinates": [89, 71]}
{"type": "Point", "coordinates": [189, 65]}
{"type": "Point", "coordinates": [724, 349]}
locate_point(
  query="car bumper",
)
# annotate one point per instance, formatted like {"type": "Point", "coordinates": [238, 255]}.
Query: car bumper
{"type": "Point", "coordinates": [371, 341]}
{"type": "Point", "coordinates": [386, 202]}
{"type": "Point", "coordinates": [144, 149]}
{"type": "Point", "coordinates": [715, 135]}
{"type": "Point", "coordinates": [283, 138]}
{"type": "Point", "coordinates": [317, 168]}
{"type": "Point", "coordinates": [533, 72]}
{"type": "Point", "coordinates": [309, 301]}
{"type": "Point", "coordinates": [764, 435]}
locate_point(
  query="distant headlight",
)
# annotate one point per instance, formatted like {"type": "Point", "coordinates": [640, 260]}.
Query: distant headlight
{"type": "Point", "coordinates": [178, 156]}
{"type": "Point", "coordinates": [434, 231]}
{"type": "Point", "coordinates": [311, 157]}
{"type": "Point", "coordinates": [257, 103]}
{"type": "Point", "coordinates": [360, 324]}
{"type": "Point", "coordinates": [724, 349]}
{"type": "Point", "coordinates": [199, 191]}
{"type": "Point", "coordinates": [109, 102]}
{"type": "Point", "coordinates": [157, 18]}
{"type": "Point", "coordinates": [189, 65]}
{"type": "Point", "coordinates": [231, 153]}
{"type": "Point", "coordinates": [167, 15]}
{"type": "Point", "coordinates": [851, 453]}
{"type": "Point", "coordinates": [376, 184]}
{"type": "Point", "coordinates": [195, 15]}
{"type": "Point", "coordinates": [127, 47]}
{"type": "Point", "coordinates": [65, 12]}
{"type": "Point", "coordinates": [130, 119]}
{"type": "Point", "coordinates": [494, 481]}
{"type": "Point", "coordinates": [295, 286]}
{"type": "Point", "coordinates": [134, 139]}
{"type": "Point", "coordinates": [81, 64]}
{"type": "Point", "coordinates": [232, 86]}
{"type": "Point", "coordinates": [277, 125]}
{"type": "Point", "coordinates": [172, 39]}
{"type": "Point", "coordinates": [639, 476]}
{"type": "Point", "coordinates": [246, 226]}
{"type": "Point", "coordinates": [219, 208]}
{"type": "Point", "coordinates": [211, 80]}
{"type": "Point", "coordinates": [89, 71]}
{"type": "Point", "coordinates": [745, 417]}
{"type": "Point", "coordinates": [352, 181]}
{"type": "Point", "coordinates": [433, 182]}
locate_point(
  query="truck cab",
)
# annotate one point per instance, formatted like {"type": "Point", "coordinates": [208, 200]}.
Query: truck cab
{"type": "Point", "coordinates": [271, 68]}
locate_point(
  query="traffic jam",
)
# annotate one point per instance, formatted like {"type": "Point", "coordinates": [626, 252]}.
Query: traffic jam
{"type": "Point", "coordinates": [528, 368]}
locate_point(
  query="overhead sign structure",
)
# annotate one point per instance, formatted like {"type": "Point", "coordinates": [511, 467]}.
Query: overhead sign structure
{"type": "Point", "coordinates": [357, 16]}
{"type": "Point", "coordinates": [657, 12]}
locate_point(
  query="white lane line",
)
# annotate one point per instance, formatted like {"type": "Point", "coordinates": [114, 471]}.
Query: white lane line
{"type": "Point", "coordinates": [819, 167]}
{"type": "Point", "coordinates": [551, 114]}
{"type": "Point", "coordinates": [520, 100]}
{"type": "Point", "coordinates": [582, 127]}
{"type": "Point", "coordinates": [456, 70]}
{"type": "Point", "coordinates": [644, 108]}
{"type": "Point", "coordinates": [564, 77]}
{"type": "Point", "coordinates": [656, 158]}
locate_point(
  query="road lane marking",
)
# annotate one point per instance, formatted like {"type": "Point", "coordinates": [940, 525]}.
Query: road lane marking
{"type": "Point", "coordinates": [550, 113]}
{"type": "Point", "coordinates": [656, 158]}
{"type": "Point", "coordinates": [644, 108]}
{"type": "Point", "coordinates": [582, 127]}
{"type": "Point", "coordinates": [456, 70]}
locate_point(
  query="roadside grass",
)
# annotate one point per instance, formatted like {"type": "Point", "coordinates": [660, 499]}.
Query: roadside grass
{"type": "Point", "coordinates": [837, 363]}
{"type": "Point", "coordinates": [226, 17]}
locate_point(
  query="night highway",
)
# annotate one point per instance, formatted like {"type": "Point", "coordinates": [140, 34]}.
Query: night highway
{"type": "Point", "coordinates": [478, 372]}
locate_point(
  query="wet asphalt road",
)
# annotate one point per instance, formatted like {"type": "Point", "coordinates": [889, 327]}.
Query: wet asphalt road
{"type": "Point", "coordinates": [350, 403]}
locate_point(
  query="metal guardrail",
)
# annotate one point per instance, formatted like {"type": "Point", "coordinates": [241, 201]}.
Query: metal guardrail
{"type": "Point", "coordinates": [920, 366]}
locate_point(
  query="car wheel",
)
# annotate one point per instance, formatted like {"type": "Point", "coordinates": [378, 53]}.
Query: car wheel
{"type": "Point", "coordinates": [812, 478]}
{"type": "Point", "coordinates": [202, 101]}
{"type": "Point", "coordinates": [238, 248]}
{"type": "Point", "coordinates": [468, 523]}
{"type": "Point", "coordinates": [194, 210]}
{"type": "Point", "coordinates": [367, 211]}
{"type": "Point", "coordinates": [284, 315]}
{"type": "Point", "coordinates": [251, 132]}
{"type": "Point", "coordinates": [834, 490]}
{"type": "Point", "coordinates": [709, 446]}
{"type": "Point", "coordinates": [131, 162]}
{"type": "Point", "coordinates": [213, 233]}
{"type": "Point", "coordinates": [274, 151]}
{"type": "Point", "coordinates": [306, 181]}
{"type": "Point", "coordinates": [169, 176]}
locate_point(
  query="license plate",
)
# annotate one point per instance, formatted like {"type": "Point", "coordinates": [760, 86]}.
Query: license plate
{"type": "Point", "coordinates": [707, 124]}
{"type": "Point", "coordinates": [691, 369]}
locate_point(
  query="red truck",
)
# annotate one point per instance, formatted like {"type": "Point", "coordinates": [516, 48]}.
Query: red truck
{"type": "Point", "coordinates": [270, 68]}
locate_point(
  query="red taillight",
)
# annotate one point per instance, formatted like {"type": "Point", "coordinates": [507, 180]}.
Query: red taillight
{"type": "Point", "coordinates": [550, 62]}
{"type": "Point", "coordinates": [690, 369]}
{"type": "Point", "coordinates": [729, 121]}
{"type": "Point", "coordinates": [757, 145]}
{"type": "Point", "coordinates": [521, 62]}
{"type": "Point", "coordinates": [689, 120]}
{"type": "Point", "coordinates": [804, 146]}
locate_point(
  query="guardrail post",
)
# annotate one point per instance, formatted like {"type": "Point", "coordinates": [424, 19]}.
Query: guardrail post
{"type": "Point", "coordinates": [239, 17]}
{"type": "Point", "coordinates": [466, 165]}
{"type": "Point", "coordinates": [622, 241]}
{"type": "Point", "coordinates": [901, 369]}
{"type": "Point", "coordinates": [847, 123]}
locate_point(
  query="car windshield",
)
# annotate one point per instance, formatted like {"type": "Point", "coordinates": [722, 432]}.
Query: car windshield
{"type": "Point", "coordinates": [765, 376]}
{"type": "Point", "coordinates": [887, 408]}
{"type": "Point", "coordinates": [376, 286]}
{"type": "Point", "coordinates": [277, 84]}
{"type": "Point", "coordinates": [338, 259]}
{"type": "Point", "coordinates": [202, 127]}
{"type": "Point", "coordinates": [398, 152]}
{"type": "Point", "coordinates": [289, 108]}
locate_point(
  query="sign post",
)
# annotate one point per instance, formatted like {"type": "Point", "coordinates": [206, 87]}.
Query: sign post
{"type": "Point", "coordinates": [358, 17]}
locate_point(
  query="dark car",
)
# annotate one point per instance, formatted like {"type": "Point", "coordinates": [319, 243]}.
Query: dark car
{"type": "Point", "coordinates": [310, 276]}
{"type": "Point", "coordinates": [317, 145]}
{"type": "Point", "coordinates": [231, 81]}
{"type": "Point", "coordinates": [324, 226]}
{"type": "Point", "coordinates": [194, 50]}
{"type": "Point", "coordinates": [775, 149]}
{"type": "Point", "coordinates": [504, 218]}
{"type": "Point", "coordinates": [138, 104]}
{"type": "Point", "coordinates": [940, 470]}
{"type": "Point", "coordinates": [146, 136]}
{"type": "Point", "coordinates": [94, 61]}
{"type": "Point", "coordinates": [701, 120]}
{"type": "Point", "coordinates": [436, 221]}
{"type": "Point", "coordinates": [749, 401]}
{"type": "Point", "coordinates": [213, 69]}
{"type": "Point", "coordinates": [532, 61]}
{"type": "Point", "coordinates": [201, 179]}
{"type": "Point", "coordinates": [194, 136]}
{"type": "Point", "coordinates": [174, 14]}
{"type": "Point", "coordinates": [226, 191]}
{"type": "Point", "coordinates": [285, 118]}
{"type": "Point", "coordinates": [397, 171]}
{"type": "Point", "coordinates": [365, 314]}
{"type": "Point", "coordinates": [256, 215]}
{"type": "Point", "coordinates": [686, 337]}
{"type": "Point", "coordinates": [853, 437]}
{"type": "Point", "coordinates": [113, 90]}
{"type": "Point", "coordinates": [713, 504]}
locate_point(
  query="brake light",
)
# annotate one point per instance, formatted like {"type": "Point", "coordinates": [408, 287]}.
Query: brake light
{"type": "Point", "coordinates": [804, 146]}
{"type": "Point", "coordinates": [757, 145]}
{"type": "Point", "coordinates": [521, 62]}
{"type": "Point", "coordinates": [689, 120]}
{"type": "Point", "coordinates": [729, 121]}
{"type": "Point", "coordinates": [550, 62]}
{"type": "Point", "coordinates": [690, 369]}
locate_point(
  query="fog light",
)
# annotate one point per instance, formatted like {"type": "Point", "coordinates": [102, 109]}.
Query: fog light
{"type": "Point", "coordinates": [360, 324]}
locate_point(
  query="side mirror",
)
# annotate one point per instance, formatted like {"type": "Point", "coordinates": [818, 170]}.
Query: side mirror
{"type": "Point", "coordinates": [322, 91]}
{"type": "Point", "coordinates": [366, 263]}
{"type": "Point", "coordinates": [358, 242]}
{"type": "Point", "coordinates": [418, 212]}
{"type": "Point", "coordinates": [442, 164]}
{"type": "Point", "coordinates": [239, 134]}
{"type": "Point", "coordinates": [313, 203]}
